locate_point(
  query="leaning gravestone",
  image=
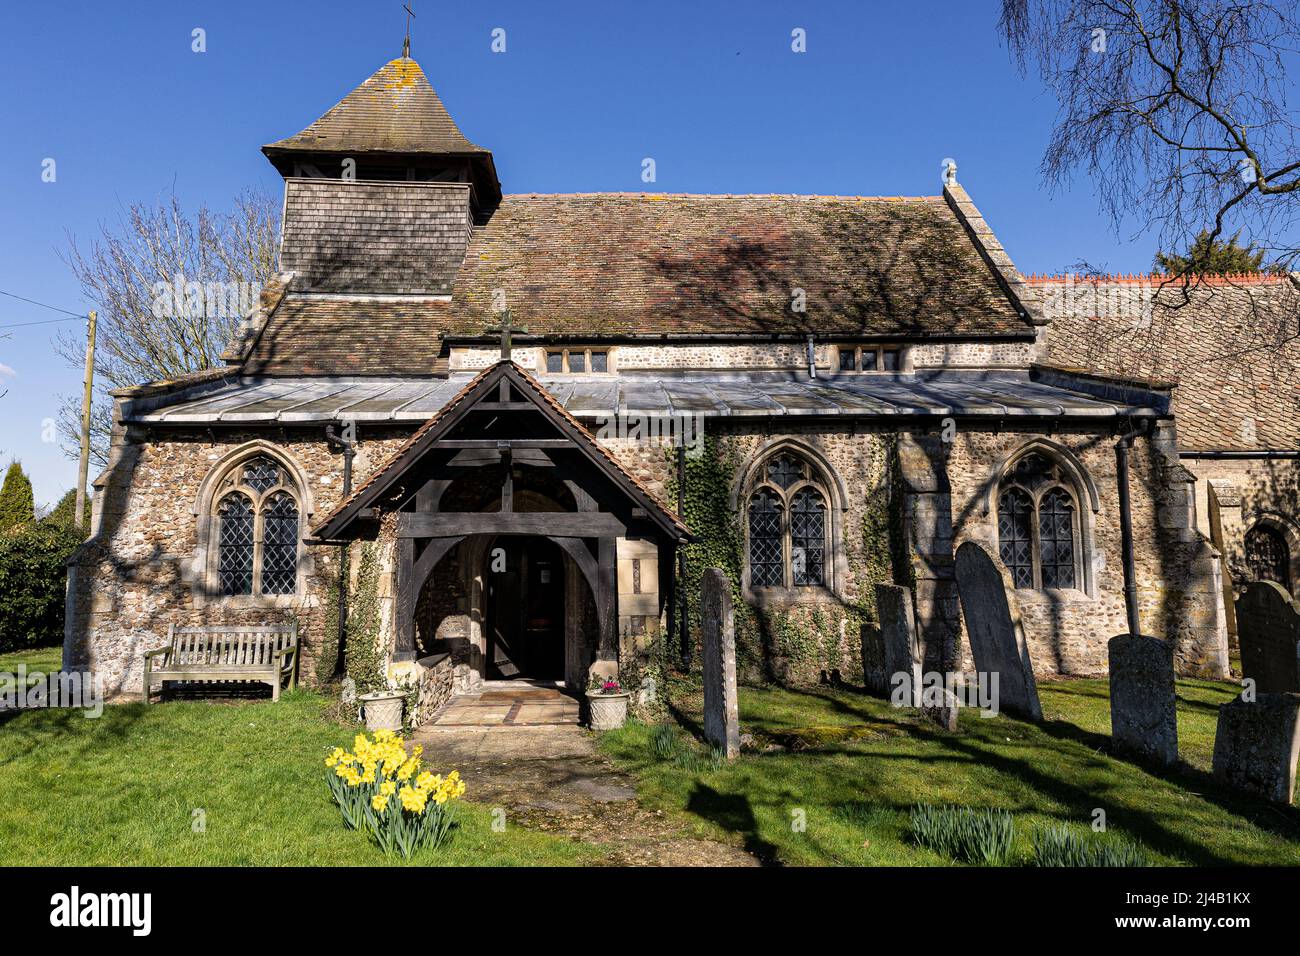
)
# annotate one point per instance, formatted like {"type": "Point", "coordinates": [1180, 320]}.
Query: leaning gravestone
{"type": "Point", "coordinates": [1268, 630]}
{"type": "Point", "coordinates": [721, 717]}
{"type": "Point", "coordinates": [1143, 715]}
{"type": "Point", "coordinates": [1256, 744]}
{"type": "Point", "coordinates": [902, 651]}
{"type": "Point", "coordinates": [874, 675]}
{"type": "Point", "coordinates": [994, 629]}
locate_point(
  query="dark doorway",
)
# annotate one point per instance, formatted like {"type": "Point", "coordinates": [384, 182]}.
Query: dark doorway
{"type": "Point", "coordinates": [524, 589]}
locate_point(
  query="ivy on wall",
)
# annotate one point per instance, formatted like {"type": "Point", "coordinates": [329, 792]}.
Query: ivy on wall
{"type": "Point", "coordinates": [363, 659]}
{"type": "Point", "coordinates": [794, 643]}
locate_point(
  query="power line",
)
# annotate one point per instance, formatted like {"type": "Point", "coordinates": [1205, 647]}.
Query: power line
{"type": "Point", "coordinates": [52, 308]}
{"type": "Point", "coordinates": [19, 325]}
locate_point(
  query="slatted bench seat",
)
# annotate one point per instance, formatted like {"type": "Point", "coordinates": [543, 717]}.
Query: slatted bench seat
{"type": "Point", "coordinates": [224, 654]}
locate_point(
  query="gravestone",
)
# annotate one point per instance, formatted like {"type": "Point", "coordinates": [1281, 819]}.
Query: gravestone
{"type": "Point", "coordinates": [1143, 715]}
{"type": "Point", "coordinates": [721, 717]}
{"type": "Point", "coordinates": [874, 675]}
{"type": "Point", "coordinates": [1256, 744]}
{"type": "Point", "coordinates": [902, 650]}
{"type": "Point", "coordinates": [1268, 630]}
{"type": "Point", "coordinates": [994, 629]}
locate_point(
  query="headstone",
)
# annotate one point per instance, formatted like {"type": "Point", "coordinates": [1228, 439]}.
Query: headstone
{"type": "Point", "coordinates": [1268, 630]}
{"type": "Point", "coordinates": [902, 651]}
{"type": "Point", "coordinates": [1143, 714]}
{"type": "Point", "coordinates": [1256, 744]}
{"type": "Point", "coordinates": [647, 693]}
{"type": "Point", "coordinates": [939, 704]}
{"type": "Point", "coordinates": [721, 716]}
{"type": "Point", "coordinates": [995, 631]}
{"type": "Point", "coordinates": [873, 660]}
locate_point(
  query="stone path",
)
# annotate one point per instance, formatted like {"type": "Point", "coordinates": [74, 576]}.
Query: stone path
{"type": "Point", "coordinates": [510, 703]}
{"type": "Point", "coordinates": [552, 778]}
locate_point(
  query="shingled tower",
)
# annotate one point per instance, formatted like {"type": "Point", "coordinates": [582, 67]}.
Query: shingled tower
{"type": "Point", "coordinates": [393, 127]}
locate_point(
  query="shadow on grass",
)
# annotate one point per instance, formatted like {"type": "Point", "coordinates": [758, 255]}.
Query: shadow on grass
{"type": "Point", "coordinates": [1059, 772]}
{"type": "Point", "coordinates": [732, 813]}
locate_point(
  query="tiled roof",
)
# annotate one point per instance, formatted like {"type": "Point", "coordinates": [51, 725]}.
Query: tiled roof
{"type": "Point", "coordinates": [395, 111]}
{"type": "Point", "coordinates": [663, 263]}
{"type": "Point", "coordinates": [329, 335]}
{"type": "Point", "coordinates": [1231, 346]}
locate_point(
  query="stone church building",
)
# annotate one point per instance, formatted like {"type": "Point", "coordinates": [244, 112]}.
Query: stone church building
{"type": "Point", "coordinates": [529, 409]}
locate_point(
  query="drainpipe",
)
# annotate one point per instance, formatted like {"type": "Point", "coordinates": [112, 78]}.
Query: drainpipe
{"type": "Point", "coordinates": [335, 437]}
{"type": "Point", "coordinates": [1122, 448]}
{"type": "Point", "coordinates": [683, 626]}
{"type": "Point", "coordinates": [812, 358]}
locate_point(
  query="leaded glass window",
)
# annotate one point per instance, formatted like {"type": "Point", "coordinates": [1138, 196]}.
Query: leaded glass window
{"type": "Point", "coordinates": [788, 524]}
{"type": "Point", "coordinates": [256, 531]}
{"type": "Point", "coordinates": [766, 558]}
{"type": "Point", "coordinates": [807, 537]}
{"type": "Point", "coordinates": [279, 544]}
{"type": "Point", "coordinates": [1038, 532]}
{"type": "Point", "coordinates": [783, 471]}
{"type": "Point", "coordinates": [261, 474]}
{"type": "Point", "coordinates": [1267, 555]}
{"type": "Point", "coordinates": [1015, 539]}
{"type": "Point", "coordinates": [235, 551]}
{"type": "Point", "coordinates": [1056, 538]}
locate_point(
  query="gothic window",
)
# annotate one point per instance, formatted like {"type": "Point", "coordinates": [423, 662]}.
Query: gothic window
{"type": "Point", "coordinates": [235, 565]}
{"type": "Point", "coordinates": [1038, 526]}
{"type": "Point", "coordinates": [765, 547]}
{"type": "Point", "coordinates": [257, 530]}
{"type": "Point", "coordinates": [787, 526]}
{"type": "Point", "coordinates": [1267, 555]}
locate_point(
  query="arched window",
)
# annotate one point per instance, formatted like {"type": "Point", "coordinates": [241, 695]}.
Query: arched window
{"type": "Point", "coordinates": [1038, 526]}
{"type": "Point", "coordinates": [787, 526]}
{"type": "Point", "coordinates": [258, 536]}
{"type": "Point", "coordinates": [1267, 555]}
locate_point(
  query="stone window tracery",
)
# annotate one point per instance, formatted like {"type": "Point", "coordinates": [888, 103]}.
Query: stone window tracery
{"type": "Point", "coordinates": [1038, 525]}
{"type": "Point", "coordinates": [258, 535]}
{"type": "Point", "coordinates": [787, 525]}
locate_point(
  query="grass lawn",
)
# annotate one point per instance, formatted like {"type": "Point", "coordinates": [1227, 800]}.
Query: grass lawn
{"type": "Point", "coordinates": [854, 767]}
{"type": "Point", "coordinates": [123, 789]}
{"type": "Point", "coordinates": [46, 660]}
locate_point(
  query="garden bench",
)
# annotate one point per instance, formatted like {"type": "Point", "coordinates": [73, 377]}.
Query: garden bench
{"type": "Point", "coordinates": [223, 654]}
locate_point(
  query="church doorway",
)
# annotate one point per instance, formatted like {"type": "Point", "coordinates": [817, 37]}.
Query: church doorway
{"type": "Point", "coordinates": [523, 587]}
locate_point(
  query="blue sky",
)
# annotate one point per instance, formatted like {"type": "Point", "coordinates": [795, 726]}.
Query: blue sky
{"type": "Point", "coordinates": [585, 90]}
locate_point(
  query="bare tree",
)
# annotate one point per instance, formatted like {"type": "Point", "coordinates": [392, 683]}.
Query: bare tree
{"type": "Point", "coordinates": [1178, 110]}
{"type": "Point", "coordinates": [170, 289]}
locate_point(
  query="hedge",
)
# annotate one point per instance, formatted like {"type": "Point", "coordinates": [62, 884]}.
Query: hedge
{"type": "Point", "coordinates": [33, 578]}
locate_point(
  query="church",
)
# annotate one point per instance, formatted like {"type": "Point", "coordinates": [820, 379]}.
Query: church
{"type": "Point", "coordinates": [540, 416]}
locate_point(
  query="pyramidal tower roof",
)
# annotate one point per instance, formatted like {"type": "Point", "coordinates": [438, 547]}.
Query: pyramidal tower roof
{"type": "Point", "coordinates": [395, 111]}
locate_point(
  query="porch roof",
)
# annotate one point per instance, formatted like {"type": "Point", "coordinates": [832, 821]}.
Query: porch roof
{"type": "Point", "coordinates": [1037, 392]}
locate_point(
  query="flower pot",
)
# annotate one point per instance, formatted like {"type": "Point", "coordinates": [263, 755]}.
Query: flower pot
{"type": "Point", "coordinates": [608, 711]}
{"type": "Point", "coordinates": [382, 710]}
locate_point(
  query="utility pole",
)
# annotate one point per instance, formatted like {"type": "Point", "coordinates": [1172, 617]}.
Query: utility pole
{"type": "Point", "coordinates": [83, 467]}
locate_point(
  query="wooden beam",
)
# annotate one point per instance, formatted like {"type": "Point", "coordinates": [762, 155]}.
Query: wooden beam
{"type": "Point", "coordinates": [505, 407]}
{"type": "Point", "coordinates": [506, 443]}
{"type": "Point", "coordinates": [446, 524]}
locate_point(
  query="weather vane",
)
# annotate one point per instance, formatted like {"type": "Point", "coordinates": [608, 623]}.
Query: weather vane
{"type": "Point", "coordinates": [406, 43]}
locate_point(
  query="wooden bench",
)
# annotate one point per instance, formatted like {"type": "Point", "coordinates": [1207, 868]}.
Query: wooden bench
{"type": "Point", "coordinates": [225, 654]}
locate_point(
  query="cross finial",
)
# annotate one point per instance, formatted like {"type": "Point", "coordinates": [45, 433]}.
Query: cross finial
{"type": "Point", "coordinates": [406, 43]}
{"type": "Point", "coordinates": [505, 328]}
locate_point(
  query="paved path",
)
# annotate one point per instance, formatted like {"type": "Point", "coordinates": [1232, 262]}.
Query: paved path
{"type": "Point", "coordinates": [510, 703]}
{"type": "Point", "coordinates": [553, 778]}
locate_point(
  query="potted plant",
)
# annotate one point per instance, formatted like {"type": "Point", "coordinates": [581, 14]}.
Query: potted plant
{"type": "Point", "coordinates": [607, 702]}
{"type": "Point", "coordinates": [382, 709]}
